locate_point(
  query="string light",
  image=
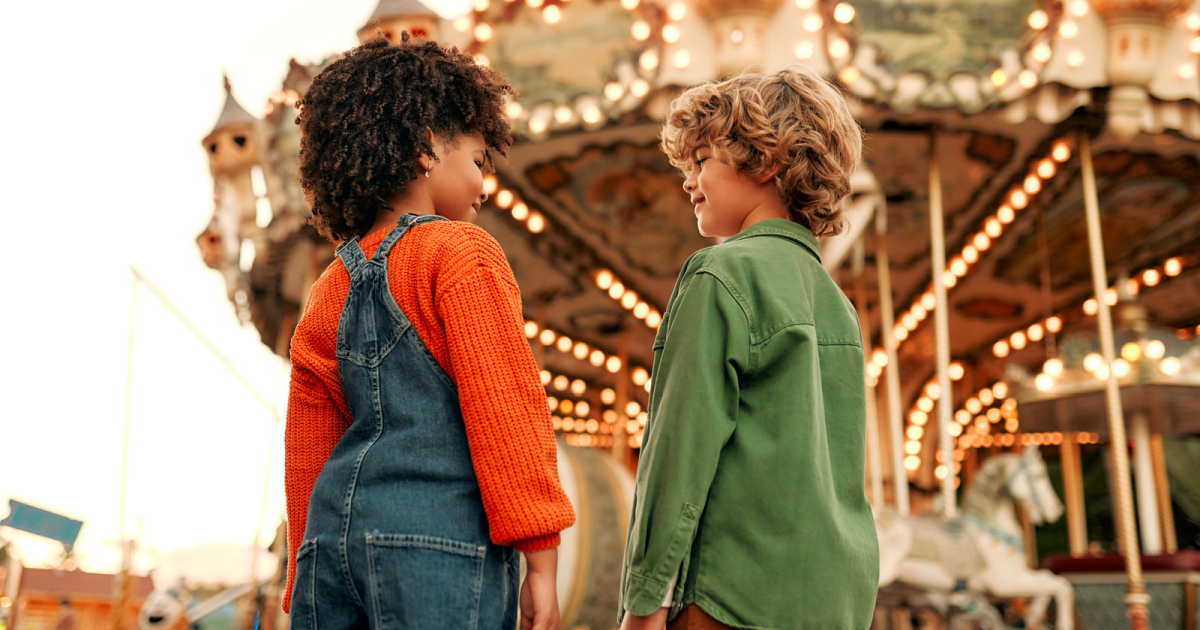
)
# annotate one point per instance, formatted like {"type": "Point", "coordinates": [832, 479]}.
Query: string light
{"type": "Point", "coordinates": [1041, 53]}
{"type": "Point", "coordinates": [677, 11]}
{"type": "Point", "coordinates": [804, 49]}
{"type": "Point", "coordinates": [670, 33]}
{"type": "Point", "coordinates": [843, 13]}
{"type": "Point", "coordinates": [640, 31]}
{"type": "Point", "coordinates": [1038, 20]}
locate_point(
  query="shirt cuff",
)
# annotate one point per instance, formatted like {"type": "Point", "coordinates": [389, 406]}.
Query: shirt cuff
{"type": "Point", "coordinates": [644, 595]}
{"type": "Point", "coordinates": [670, 597]}
{"type": "Point", "coordinates": [538, 543]}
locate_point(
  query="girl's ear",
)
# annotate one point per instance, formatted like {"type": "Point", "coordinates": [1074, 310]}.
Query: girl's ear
{"type": "Point", "coordinates": [425, 161]}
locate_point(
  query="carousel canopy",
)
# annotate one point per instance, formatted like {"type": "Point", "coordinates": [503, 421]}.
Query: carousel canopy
{"type": "Point", "coordinates": [596, 225]}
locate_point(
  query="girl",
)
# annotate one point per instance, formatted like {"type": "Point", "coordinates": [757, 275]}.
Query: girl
{"type": "Point", "coordinates": [419, 452]}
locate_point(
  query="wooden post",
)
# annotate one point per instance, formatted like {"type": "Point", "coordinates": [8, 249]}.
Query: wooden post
{"type": "Point", "coordinates": [874, 458]}
{"type": "Point", "coordinates": [1162, 485]}
{"type": "Point", "coordinates": [945, 407]}
{"type": "Point", "coordinates": [1072, 472]}
{"type": "Point", "coordinates": [1147, 496]}
{"type": "Point", "coordinates": [1137, 599]}
{"type": "Point", "coordinates": [1162, 489]}
{"type": "Point", "coordinates": [887, 336]}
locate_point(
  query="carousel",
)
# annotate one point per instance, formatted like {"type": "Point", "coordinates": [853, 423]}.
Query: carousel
{"type": "Point", "coordinates": [1029, 169]}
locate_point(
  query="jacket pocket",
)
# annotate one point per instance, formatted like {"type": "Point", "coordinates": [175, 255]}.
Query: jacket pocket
{"type": "Point", "coordinates": [423, 581]}
{"type": "Point", "coordinates": [304, 590]}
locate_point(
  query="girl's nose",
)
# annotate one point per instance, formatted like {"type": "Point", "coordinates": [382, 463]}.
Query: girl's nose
{"type": "Point", "coordinates": [483, 197]}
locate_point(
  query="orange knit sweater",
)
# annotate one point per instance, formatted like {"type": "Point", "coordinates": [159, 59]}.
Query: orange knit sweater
{"type": "Point", "coordinates": [453, 282]}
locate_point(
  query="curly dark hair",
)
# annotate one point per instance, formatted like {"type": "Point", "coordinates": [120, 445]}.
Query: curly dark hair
{"type": "Point", "coordinates": [364, 119]}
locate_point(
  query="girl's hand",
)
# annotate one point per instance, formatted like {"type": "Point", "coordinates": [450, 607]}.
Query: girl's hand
{"type": "Point", "coordinates": [539, 593]}
{"type": "Point", "coordinates": [654, 621]}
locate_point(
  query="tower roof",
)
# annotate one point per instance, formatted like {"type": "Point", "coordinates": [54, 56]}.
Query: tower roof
{"type": "Point", "coordinates": [233, 112]}
{"type": "Point", "coordinates": [389, 8]}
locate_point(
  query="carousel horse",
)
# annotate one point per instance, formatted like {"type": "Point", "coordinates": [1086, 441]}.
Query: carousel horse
{"type": "Point", "coordinates": [981, 551]}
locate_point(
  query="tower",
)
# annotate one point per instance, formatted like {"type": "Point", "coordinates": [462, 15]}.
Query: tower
{"type": "Point", "coordinates": [232, 148]}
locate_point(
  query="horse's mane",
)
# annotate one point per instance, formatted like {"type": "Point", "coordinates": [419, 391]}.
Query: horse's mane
{"type": "Point", "coordinates": [980, 501]}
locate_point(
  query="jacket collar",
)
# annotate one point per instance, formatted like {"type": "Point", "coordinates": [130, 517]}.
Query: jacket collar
{"type": "Point", "coordinates": [782, 228]}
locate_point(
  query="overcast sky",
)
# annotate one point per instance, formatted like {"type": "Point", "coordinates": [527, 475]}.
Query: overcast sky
{"type": "Point", "coordinates": [104, 105]}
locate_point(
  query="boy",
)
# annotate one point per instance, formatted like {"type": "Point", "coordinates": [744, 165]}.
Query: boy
{"type": "Point", "coordinates": [749, 507]}
{"type": "Point", "coordinates": [419, 452]}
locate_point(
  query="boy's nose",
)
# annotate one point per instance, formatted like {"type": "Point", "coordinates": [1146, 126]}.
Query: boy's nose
{"type": "Point", "coordinates": [483, 197]}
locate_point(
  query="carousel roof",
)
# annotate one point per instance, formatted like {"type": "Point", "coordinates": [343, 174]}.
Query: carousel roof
{"type": "Point", "coordinates": [596, 225]}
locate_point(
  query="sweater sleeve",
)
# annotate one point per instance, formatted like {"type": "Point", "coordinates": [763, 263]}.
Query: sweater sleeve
{"type": "Point", "coordinates": [503, 403]}
{"type": "Point", "coordinates": [314, 426]}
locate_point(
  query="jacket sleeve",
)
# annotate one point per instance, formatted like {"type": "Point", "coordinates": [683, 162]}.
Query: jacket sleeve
{"type": "Point", "coordinates": [693, 414]}
{"type": "Point", "coordinates": [314, 427]}
{"type": "Point", "coordinates": [503, 402]}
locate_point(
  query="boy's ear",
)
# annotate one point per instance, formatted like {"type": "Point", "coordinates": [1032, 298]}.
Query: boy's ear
{"type": "Point", "coordinates": [769, 175]}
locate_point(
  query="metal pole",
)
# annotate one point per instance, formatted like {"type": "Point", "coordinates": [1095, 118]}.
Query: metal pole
{"type": "Point", "coordinates": [1136, 598]}
{"type": "Point", "coordinates": [874, 459]}
{"type": "Point", "coordinates": [117, 616]}
{"type": "Point", "coordinates": [892, 370]}
{"type": "Point", "coordinates": [945, 407]}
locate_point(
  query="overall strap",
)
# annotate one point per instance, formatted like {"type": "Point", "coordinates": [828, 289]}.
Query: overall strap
{"type": "Point", "coordinates": [352, 257]}
{"type": "Point", "coordinates": [402, 226]}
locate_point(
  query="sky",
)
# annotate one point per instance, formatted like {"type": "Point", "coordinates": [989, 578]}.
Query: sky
{"type": "Point", "coordinates": [104, 106]}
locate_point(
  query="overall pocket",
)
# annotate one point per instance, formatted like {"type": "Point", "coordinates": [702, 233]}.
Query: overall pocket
{"type": "Point", "coordinates": [304, 591]}
{"type": "Point", "coordinates": [424, 582]}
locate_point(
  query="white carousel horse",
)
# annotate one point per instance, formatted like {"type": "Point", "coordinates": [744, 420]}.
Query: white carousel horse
{"type": "Point", "coordinates": [982, 550]}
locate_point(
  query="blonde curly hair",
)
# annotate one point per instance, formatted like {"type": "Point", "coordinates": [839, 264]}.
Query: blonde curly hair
{"type": "Point", "coordinates": [790, 125]}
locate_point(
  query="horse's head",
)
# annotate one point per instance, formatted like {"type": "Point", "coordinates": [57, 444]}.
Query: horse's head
{"type": "Point", "coordinates": [1029, 485]}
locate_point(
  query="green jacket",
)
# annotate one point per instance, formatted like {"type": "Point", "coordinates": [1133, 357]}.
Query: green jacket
{"type": "Point", "coordinates": [751, 475]}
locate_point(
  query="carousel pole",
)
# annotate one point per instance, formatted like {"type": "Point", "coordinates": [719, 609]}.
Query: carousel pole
{"type": "Point", "coordinates": [874, 458]}
{"type": "Point", "coordinates": [945, 406]}
{"type": "Point", "coordinates": [1136, 598]}
{"type": "Point", "coordinates": [887, 335]}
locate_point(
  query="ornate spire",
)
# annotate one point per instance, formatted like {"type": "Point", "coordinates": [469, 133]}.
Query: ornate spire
{"type": "Point", "coordinates": [233, 112]}
{"type": "Point", "coordinates": [392, 8]}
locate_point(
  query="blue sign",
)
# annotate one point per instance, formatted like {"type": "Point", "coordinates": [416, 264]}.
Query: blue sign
{"type": "Point", "coordinates": [42, 522]}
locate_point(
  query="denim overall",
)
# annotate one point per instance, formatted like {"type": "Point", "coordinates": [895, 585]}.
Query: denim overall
{"type": "Point", "coordinates": [397, 536]}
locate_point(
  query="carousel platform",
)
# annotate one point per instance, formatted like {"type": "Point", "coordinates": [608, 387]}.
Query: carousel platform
{"type": "Point", "coordinates": [1172, 581]}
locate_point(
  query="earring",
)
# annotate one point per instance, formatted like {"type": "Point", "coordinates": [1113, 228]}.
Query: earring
{"type": "Point", "coordinates": [426, 172]}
